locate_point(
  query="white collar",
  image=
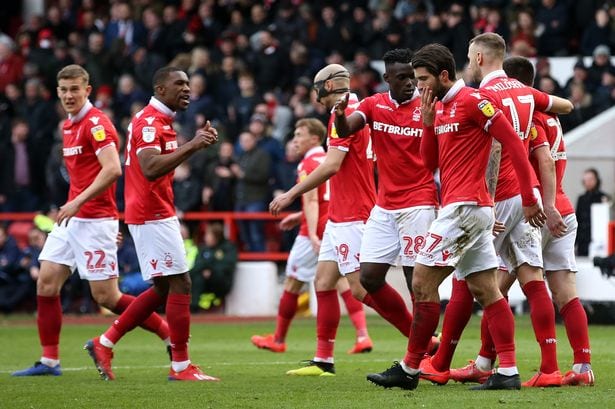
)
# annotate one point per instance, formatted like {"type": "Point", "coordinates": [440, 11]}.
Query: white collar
{"type": "Point", "coordinates": [161, 107]}
{"type": "Point", "coordinates": [414, 95]}
{"type": "Point", "coordinates": [82, 112]}
{"type": "Point", "coordinates": [492, 75]}
{"type": "Point", "coordinates": [457, 86]}
{"type": "Point", "coordinates": [312, 151]}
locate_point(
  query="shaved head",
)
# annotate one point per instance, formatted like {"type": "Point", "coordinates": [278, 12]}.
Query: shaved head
{"type": "Point", "coordinates": [331, 71]}
{"type": "Point", "coordinates": [333, 79]}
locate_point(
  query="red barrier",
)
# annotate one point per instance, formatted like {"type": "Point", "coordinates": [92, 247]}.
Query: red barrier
{"type": "Point", "coordinates": [611, 238]}
{"type": "Point", "coordinates": [228, 218]}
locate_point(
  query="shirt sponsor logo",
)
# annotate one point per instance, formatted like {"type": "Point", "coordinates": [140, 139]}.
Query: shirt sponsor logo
{"type": "Point", "coordinates": [98, 132]}
{"type": "Point", "coordinates": [72, 151]}
{"type": "Point", "coordinates": [149, 134]}
{"type": "Point", "coordinates": [452, 127]}
{"type": "Point", "coordinates": [397, 130]}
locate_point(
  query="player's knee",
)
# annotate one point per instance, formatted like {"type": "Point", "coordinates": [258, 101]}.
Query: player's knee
{"type": "Point", "coordinates": [423, 289]}
{"type": "Point", "coordinates": [106, 299]}
{"type": "Point", "coordinates": [371, 282]}
{"type": "Point", "coordinates": [48, 286]}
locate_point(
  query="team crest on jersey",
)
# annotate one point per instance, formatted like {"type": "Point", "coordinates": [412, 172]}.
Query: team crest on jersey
{"type": "Point", "coordinates": [486, 108]}
{"type": "Point", "coordinates": [149, 134]}
{"type": "Point", "coordinates": [453, 110]}
{"type": "Point", "coordinates": [98, 132]}
{"type": "Point", "coordinates": [416, 114]}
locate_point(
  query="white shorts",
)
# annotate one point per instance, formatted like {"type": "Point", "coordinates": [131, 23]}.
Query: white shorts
{"type": "Point", "coordinates": [392, 235]}
{"type": "Point", "coordinates": [159, 247]}
{"type": "Point", "coordinates": [558, 252]}
{"type": "Point", "coordinates": [88, 245]}
{"type": "Point", "coordinates": [520, 243]}
{"type": "Point", "coordinates": [341, 242]}
{"type": "Point", "coordinates": [302, 260]}
{"type": "Point", "coordinates": [461, 237]}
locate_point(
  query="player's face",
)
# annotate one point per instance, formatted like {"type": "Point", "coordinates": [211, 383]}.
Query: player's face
{"type": "Point", "coordinates": [400, 78]}
{"type": "Point", "coordinates": [176, 91]}
{"type": "Point", "coordinates": [73, 92]}
{"type": "Point", "coordinates": [302, 141]}
{"type": "Point", "coordinates": [427, 80]}
{"type": "Point", "coordinates": [473, 66]}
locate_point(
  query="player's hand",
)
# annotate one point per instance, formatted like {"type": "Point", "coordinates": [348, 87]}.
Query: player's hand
{"type": "Point", "coordinates": [555, 223]}
{"type": "Point", "coordinates": [290, 221]}
{"type": "Point", "coordinates": [428, 106]}
{"type": "Point", "coordinates": [498, 227]}
{"type": "Point", "coordinates": [119, 239]}
{"type": "Point", "coordinates": [280, 203]}
{"type": "Point", "coordinates": [315, 242]}
{"type": "Point", "coordinates": [340, 106]}
{"type": "Point", "coordinates": [534, 215]}
{"type": "Point", "coordinates": [67, 211]}
{"type": "Point", "coordinates": [205, 136]}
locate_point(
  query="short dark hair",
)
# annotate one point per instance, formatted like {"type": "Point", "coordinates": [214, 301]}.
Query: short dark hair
{"type": "Point", "coordinates": [398, 55]}
{"type": "Point", "coordinates": [521, 69]}
{"type": "Point", "coordinates": [435, 58]}
{"type": "Point", "coordinates": [163, 73]}
{"type": "Point", "coordinates": [73, 71]}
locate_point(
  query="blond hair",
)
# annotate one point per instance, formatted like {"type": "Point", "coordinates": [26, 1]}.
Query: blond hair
{"type": "Point", "coordinates": [314, 127]}
{"type": "Point", "coordinates": [73, 71]}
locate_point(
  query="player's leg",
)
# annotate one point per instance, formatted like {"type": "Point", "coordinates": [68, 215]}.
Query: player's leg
{"type": "Point", "coordinates": [345, 286]}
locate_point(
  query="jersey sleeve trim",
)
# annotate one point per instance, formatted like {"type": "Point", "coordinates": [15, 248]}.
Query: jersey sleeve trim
{"type": "Point", "coordinates": [104, 147]}
{"type": "Point", "coordinates": [142, 148]}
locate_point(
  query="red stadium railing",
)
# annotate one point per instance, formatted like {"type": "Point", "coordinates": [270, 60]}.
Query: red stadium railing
{"type": "Point", "coordinates": [228, 218]}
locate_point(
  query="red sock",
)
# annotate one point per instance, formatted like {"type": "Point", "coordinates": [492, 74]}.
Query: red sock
{"type": "Point", "coordinates": [456, 317]}
{"type": "Point", "coordinates": [426, 317]}
{"type": "Point", "coordinates": [355, 313]}
{"type": "Point", "coordinates": [286, 312]}
{"type": "Point", "coordinates": [49, 321]}
{"type": "Point", "coordinates": [138, 310]}
{"type": "Point", "coordinates": [154, 323]}
{"type": "Point", "coordinates": [542, 315]}
{"type": "Point", "coordinates": [178, 316]}
{"type": "Point", "coordinates": [502, 329]}
{"type": "Point", "coordinates": [327, 321]}
{"type": "Point", "coordinates": [575, 321]}
{"type": "Point", "coordinates": [487, 347]}
{"type": "Point", "coordinates": [388, 303]}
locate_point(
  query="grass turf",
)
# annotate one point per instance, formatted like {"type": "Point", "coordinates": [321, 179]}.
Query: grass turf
{"type": "Point", "coordinates": [254, 378]}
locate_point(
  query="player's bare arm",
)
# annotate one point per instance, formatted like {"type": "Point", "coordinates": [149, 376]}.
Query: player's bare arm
{"type": "Point", "coordinates": [546, 165]}
{"type": "Point", "coordinates": [110, 171]}
{"type": "Point", "coordinates": [493, 167]}
{"type": "Point", "coordinates": [154, 164]}
{"type": "Point", "coordinates": [310, 209]}
{"type": "Point", "coordinates": [324, 171]}
{"type": "Point", "coordinates": [291, 221]}
{"type": "Point", "coordinates": [561, 105]}
{"type": "Point", "coordinates": [346, 125]}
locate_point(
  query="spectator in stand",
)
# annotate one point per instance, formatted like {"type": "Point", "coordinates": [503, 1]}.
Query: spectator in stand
{"type": "Point", "coordinates": [599, 32]}
{"type": "Point", "coordinates": [554, 28]}
{"type": "Point", "coordinates": [583, 107]}
{"type": "Point", "coordinates": [214, 269]}
{"type": "Point", "coordinates": [100, 61]}
{"type": "Point", "coordinates": [252, 191]}
{"type": "Point", "coordinates": [123, 29]}
{"type": "Point", "coordinates": [21, 193]}
{"type": "Point", "coordinates": [11, 64]}
{"type": "Point", "coordinates": [592, 184]}
{"type": "Point", "coordinates": [220, 180]}
{"type": "Point", "coordinates": [173, 34]}
{"type": "Point", "coordinates": [201, 103]}
{"type": "Point", "coordinates": [459, 32]}
{"type": "Point", "coordinates": [300, 101]}
{"type": "Point", "coordinates": [186, 189]}
{"type": "Point", "coordinates": [523, 40]}
{"type": "Point", "coordinates": [269, 63]}
{"type": "Point", "coordinates": [604, 96]}
{"type": "Point", "coordinates": [286, 177]}
{"type": "Point", "coordinates": [128, 92]}
{"type": "Point", "coordinates": [600, 64]}
{"type": "Point", "coordinates": [242, 105]}
{"type": "Point", "coordinates": [579, 76]}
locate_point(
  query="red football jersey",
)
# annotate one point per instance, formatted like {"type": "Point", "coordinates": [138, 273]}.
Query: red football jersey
{"type": "Point", "coordinates": [84, 136]}
{"type": "Point", "coordinates": [396, 130]}
{"type": "Point", "coordinates": [518, 102]}
{"type": "Point", "coordinates": [549, 131]}
{"type": "Point", "coordinates": [151, 128]}
{"type": "Point", "coordinates": [353, 193]}
{"type": "Point", "coordinates": [462, 120]}
{"type": "Point", "coordinates": [311, 160]}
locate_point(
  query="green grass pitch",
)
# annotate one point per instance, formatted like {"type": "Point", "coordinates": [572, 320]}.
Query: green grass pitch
{"type": "Point", "coordinates": [254, 378]}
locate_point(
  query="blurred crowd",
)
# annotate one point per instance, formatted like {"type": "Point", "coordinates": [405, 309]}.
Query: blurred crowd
{"type": "Point", "coordinates": [251, 66]}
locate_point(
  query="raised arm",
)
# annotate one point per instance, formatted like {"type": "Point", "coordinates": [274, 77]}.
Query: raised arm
{"type": "Point", "coordinates": [346, 125]}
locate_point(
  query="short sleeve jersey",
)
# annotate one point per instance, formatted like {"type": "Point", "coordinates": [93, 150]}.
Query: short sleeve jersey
{"type": "Point", "coordinates": [549, 131]}
{"type": "Point", "coordinates": [396, 130]}
{"type": "Point", "coordinates": [353, 193]}
{"type": "Point", "coordinates": [151, 128]}
{"type": "Point", "coordinates": [518, 103]}
{"type": "Point", "coordinates": [84, 136]}
{"type": "Point", "coordinates": [313, 158]}
{"type": "Point", "coordinates": [461, 126]}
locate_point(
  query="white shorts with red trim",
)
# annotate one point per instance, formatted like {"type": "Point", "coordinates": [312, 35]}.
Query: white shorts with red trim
{"type": "Point", "coordinates": [159, 247]}
{"type": "Point", "coordinates": [341, 242]}
{"type": "Point", "coordinates": [302, 260]}
{"type": "Point", "coordinates": [461, 237]}
{"type": "Point", "coordinates": [393, 236]}
{"type": "Point", "coordinates": [558, 252]}
{"type": "Point", "coordinates": [88, 245]}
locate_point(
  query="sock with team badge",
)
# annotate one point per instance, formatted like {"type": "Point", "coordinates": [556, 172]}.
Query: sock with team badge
{"type": "Point", "coordinates": [286, 312]}
{"type": "Point", "coordinates": [458, 313]}
{"type": "Point", "coordinates": [327, 322]}
{"type": "Point", "coordinates": [49, 322]}
{"type": "Point", "coordinates": [542, 315]}
{"type": "Point", "coordinates": [154, 323]}
{"type": "Point", "coordinates": [388, 303]}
